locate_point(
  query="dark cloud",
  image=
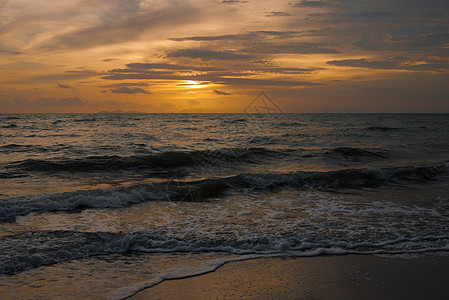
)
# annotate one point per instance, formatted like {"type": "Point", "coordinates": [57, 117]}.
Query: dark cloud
{"type": "Point", "coordinates": [89, 72]}
{"type": "Point", "coordinates": [232, 1]}
{"type": "Point", "coordinates": [269, 42]}
{"type": "Point", "coordinates": [164, 66]}
{"type": "Point", "coordinates": [10, 52]}
{"type": "Point", "coordinates": [109, 59]}
{"type": "Point", "coordinates": [397, 63]}
{"type": "Point", "coordinates": [294, 48]}
{"type": "Point", "coordinates": [251, 35]}
{"type": "Point", "coordinates": [263, 82]}
{"type": "Point", "coordinates": [364, 63]}
{"type": "Point", "coordinates": [115, 75]}
{"type": "Point", "coordinates": [277, 14]}
{"type": "Point", "coordinates": [372, 16]}
{"type": "Point", "coordinates": [406, 27]}
{"type": "Point", "coordinates": [432, 43]}
{"type": "Point", "coordinates": [125, 84]}
{"type": "Point", "coordinates": [363, 5]}
{"type": "Point", "coordinates": [206, 55]}
{"type": "Point", "coordinates": [129, 90]}
{"type": "Point", "coordinates": [307, 3]}
{"type": "Point", "coordinates": [289, 70]}
{"type": "Point", "coordinates": [63, 86]}
{"type": "Point", "coordinates": [211, 38]}
{"type": "Point", "coordinates": [218, 92]}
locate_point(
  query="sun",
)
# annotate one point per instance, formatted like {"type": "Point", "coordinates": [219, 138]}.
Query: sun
{"type": "Point", "coordinates": [193, 84]}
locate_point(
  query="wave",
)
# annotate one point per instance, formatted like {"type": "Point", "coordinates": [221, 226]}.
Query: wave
{"type": "Point", "coordinates": [10, 126]}
{"type": "Point", "coordinates": [6, 117]}
{"type": "Point", "coordinates": [116, 197]}
{"type": "Point", "coordinates": [16, 148]}
{"type": "Point", "coordinates": [233, 121]}
{"type": "Point", "coordinates": [9, 175]}
{"type": "Point", "coordinates": [42, 248]}
{"type": "Point", "coordinates": [342, 179]}
{"type": "Point", "coordinates": [200, 190]}
{"type": "Point", "coordinates": [382, 128]}
{"type": "Point", "coordinates": [85, 120]}
{"type": "Point", "coordinates": [169, 159]}
{"type": "Point", "coordinates": [292, 124]}
{"type": "Point", "coordinates": [355, 153]}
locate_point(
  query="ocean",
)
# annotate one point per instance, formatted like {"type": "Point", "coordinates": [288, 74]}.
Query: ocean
{"type": "Point", "coordinates": [105, 205]}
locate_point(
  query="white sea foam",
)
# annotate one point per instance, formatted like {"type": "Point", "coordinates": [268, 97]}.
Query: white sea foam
{"type": "Point", "coordinates": [313, 224]}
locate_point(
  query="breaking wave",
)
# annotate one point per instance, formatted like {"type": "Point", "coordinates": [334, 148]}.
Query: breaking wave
{"type": "Point", "coordinates": [40, 248]}
{"type": "Point", "coordinates": [199, 190]}
{"type": "Point", "coordinates": [169, 159]}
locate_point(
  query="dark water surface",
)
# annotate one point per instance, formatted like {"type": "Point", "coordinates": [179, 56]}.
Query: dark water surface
{"type": "Point", "coordinates": [106, 204]}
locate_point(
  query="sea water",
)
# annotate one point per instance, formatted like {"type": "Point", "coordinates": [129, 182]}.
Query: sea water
{"type": "Point", "coordinates": [104, 205]}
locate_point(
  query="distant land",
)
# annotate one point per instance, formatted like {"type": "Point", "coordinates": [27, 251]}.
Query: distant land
{"type": "Point", "coordinates": [120, 112]}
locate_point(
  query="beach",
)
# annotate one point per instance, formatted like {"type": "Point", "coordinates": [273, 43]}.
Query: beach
{"type": "Point", "coordinates": [324, 277]}
{"type": "Point", "coordinates": [224, 149]}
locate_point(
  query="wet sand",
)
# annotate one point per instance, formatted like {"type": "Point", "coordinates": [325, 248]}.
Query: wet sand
{"type": "Point", "coordinates": [324, 277]}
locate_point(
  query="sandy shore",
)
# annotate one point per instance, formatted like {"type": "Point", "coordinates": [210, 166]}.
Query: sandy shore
{"type": "Point", "coordinates": [326, 277]}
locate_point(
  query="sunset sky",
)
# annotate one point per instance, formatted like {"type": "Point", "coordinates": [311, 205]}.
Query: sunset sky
{"type": "Point", "coordinates": [216, 55]}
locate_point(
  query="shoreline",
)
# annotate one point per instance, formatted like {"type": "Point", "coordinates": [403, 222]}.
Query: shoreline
{"type": "Point", "coordinates": [322, 277]}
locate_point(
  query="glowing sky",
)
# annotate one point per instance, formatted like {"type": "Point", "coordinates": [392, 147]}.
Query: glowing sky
{"type": "Point", "coordinates": [216, 55]}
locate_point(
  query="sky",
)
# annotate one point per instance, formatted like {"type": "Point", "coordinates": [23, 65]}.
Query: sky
{"type": "Point", "coordinates": [217, 55]}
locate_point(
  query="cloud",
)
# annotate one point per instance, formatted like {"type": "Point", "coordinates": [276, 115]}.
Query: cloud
{"type": "Point", "coordinates": [232, 1]}
{"type": "Point", "coordinates": [253, 42]}
{"type": "Point", "coordinates": [63, 86]}
{"type": "Point", "coordinates": [263, 82]}
{"type": "Point", "coordinates": [87, 72]}
{"type": "Point", "coordinates": [109, 59]}
{"type": "Point", "coordinates": [294, 48]}
{"type": "Point", "coordinates": [134, 67]}
{"type": "Point", "coordinates": [432, 43]}
{"type": "Point", "coordinates": [218, 92]}
{"type": "Point", "coordinates": [250, 35]}
{"type": "Point", "coordinates": [237, 74]}
{"type": "Point", "coordinates": [10, 52]}
{"type": "Point", "coordinates": [122, 75]}
{"type": "Point", "coordinates": [125, 84]}
{"type": "Point", "coordinates": [129, 90]}
{"type": "Point", "coordinates": [307, 3]}
{"type": "Point", "coordinates": [371, 16]}
{"type": "Point", "coordinates": [206, 55]}
{"type": "Point", "coordinates": [364, 63]}
{"type": "Point", "coordinates": [277, 14]}
{"type": "Point", "coordinates": [397, 63]}
{"type": "Point", "coordinates": [114, 22]}
{"type": "Point", "coordinates": [67, 75]}
{"type": "Point", "coordinates": [289, 70]}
